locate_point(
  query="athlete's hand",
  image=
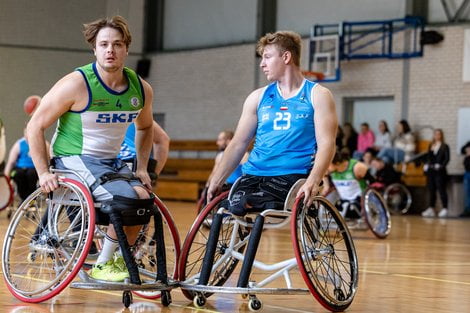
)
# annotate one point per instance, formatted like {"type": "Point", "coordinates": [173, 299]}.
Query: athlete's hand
{"type": "Point", "coordinates": [308, 191]}
{"type": "Point", "coordinates": [212, 191]}
{"type": "Point", "coordinates": [144, 177]}
{"type": "Point", "coordinates": [48, 181]}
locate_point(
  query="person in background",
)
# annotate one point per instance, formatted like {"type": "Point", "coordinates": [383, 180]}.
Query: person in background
{"type": "Point", "coordinates": [365, 140]}
{"type": "Point", "coordinates": [466, 179]}
{"type": "Point", "coordinates": [404, 145]}
{"type": "Point", "coordinates": [383, 138]}
{"type": "Point", "coordinates": [349, 138]}
{"type": "Point", "coordinates": [435, 167]}
{"type": "Point", "coordinates": [21, 169]}
{"type": "Point", "coordinates": [159, 155]}
{"type": "Point", "coordinates": [384, 173]}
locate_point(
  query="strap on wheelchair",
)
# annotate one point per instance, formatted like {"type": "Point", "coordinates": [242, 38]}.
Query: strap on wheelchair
{"type": "Point", "coordinates": [108, 177]}
{"type": "Point", "coordinates": [133, 211]}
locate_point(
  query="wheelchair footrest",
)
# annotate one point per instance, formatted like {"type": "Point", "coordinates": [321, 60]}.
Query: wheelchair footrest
{"type": "Point", "coordinates": [106, 285]}
{"type": "Point", "coordinates": [237, 290]}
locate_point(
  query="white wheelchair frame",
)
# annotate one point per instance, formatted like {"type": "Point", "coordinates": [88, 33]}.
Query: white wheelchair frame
{"type": "Point", "coordinates": [66, 250]}
{"type": "Point", "coordinates": [334, 300]}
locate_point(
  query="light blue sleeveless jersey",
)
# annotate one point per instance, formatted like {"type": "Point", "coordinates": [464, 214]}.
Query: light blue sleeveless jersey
{"type": "Point", "coordinates": [24, 158]}
{"type": "Point", "coordinates": [285, 135]}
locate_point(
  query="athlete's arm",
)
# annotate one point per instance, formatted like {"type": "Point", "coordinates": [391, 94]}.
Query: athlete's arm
{"type": "Point", "coordinates": [360, 170]}
{"type": "Point", "coordinates": [144, 136]}
{"type": "Point", "coordinates": [161, 146]}
{"type": "Point", "coordinates": [69, 93]}
{"type": "Point", "coordinates": [326, 124]}
{"type": "Point", "coordinates": [238, 145]}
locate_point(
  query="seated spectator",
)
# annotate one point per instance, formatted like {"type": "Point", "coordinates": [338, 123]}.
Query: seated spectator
{"type": "Point", "coordinates": [365, 140]}
{"type": "Point", "coordinates": [349, 138]}
{"type": "Point", "coordinates": [404, 145]}
{"type": "Point", "coordinates": [437, 158]}
{"type": "Point", "coordinates": [466, 179]}
{"type": "Point", "coordinates": [383, 138]}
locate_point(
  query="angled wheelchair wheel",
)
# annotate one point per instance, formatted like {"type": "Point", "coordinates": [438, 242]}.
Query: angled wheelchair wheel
{"type": "Point", "coordinates": [376, 213]}
{"type": "Point", "coordinates": [232, 237]}
{"type": "Point", "coordinates": [146, 248]}
{"type": "Point", "coordinates": [6, 192]}
{"type": "Point", "coordinates": [43, 252]}
{"type": "Point", "coordinates": [398, 198]}
{"type": "Point", "coordinates": [325, 253]}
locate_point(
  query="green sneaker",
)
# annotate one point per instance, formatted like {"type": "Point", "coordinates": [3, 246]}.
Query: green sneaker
{"type": "Point", "coordinates": [119, 263]}
{"type": "Point", "coordinates": [108, 272]}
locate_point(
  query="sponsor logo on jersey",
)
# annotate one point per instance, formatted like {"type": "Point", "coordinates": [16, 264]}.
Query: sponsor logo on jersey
{"type": "Point", "coordinates": [100, 102]}
{"type": "Point", "coordinates": [299, 116]}
{"type": "Point", "coordinates": [135, 102]}
{"type": "Point", "coordinates": [113, 118]}
{"type": "Point", "coordinates": [265, 117]}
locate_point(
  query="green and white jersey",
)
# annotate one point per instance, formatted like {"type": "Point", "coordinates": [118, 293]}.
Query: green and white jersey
{"type": "Point", "coordinates": [99, 129]}
{"type": "Point", "coordinates": [346, 183]}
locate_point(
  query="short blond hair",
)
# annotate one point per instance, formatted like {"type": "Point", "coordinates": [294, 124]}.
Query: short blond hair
{"type": "Point", "coordinates": [285, 40]}
{"type": "Point", "coordinates": [117, 22]}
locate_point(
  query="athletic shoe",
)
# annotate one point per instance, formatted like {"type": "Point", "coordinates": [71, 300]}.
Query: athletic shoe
{"type": "Point", "coordinates": [119, 262]}
{"type": "Point", "coordinates": [108, 271]}
{"type": "Point", "coordinates": [443, 213]}
{"type": "Point", "coordinates": [429, 212]}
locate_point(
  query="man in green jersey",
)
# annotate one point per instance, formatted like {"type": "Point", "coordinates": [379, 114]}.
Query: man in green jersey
{"type": "Point", "coordinates": [94, 105]}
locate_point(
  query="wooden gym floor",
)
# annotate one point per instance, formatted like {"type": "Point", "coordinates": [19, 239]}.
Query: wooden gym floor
{"type": "Point", "coordinates": [423, 266]}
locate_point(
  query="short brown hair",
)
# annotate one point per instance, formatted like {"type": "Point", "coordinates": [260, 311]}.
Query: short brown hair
{"type": "Point", "coordinates": [285, 41]}
{"type": "Point", "coordinates": [117, 22]}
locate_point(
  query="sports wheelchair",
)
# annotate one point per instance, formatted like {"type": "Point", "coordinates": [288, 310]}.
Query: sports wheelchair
{"type": "Point", "coordinates": [43, 253]}
{"type": "Point", "coordinates": [324, 253]}
{"type": "Point", "coordinates": [371, 212]}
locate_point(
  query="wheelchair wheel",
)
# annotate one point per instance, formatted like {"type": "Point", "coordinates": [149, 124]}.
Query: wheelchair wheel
{"type": "Point", "coordinates": [376, 213]}
{"type": "Point", "coordinates": [40, 256]}
{"type": "Point", "coordinates": [398, 198]}
{"type": "Point", "coordinates": [146, 247]}
{"type": "Point", "coordinates": [194, 247]}
{"type": "Point", "coordinates": [6, 192]}
{"type": "Point", "coordinates": [325, 253]}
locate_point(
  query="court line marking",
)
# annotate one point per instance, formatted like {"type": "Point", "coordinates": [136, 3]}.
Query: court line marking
{"type": "Point", "coordinates": [420, 277]}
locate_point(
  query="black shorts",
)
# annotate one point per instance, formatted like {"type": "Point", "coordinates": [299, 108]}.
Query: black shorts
{"type": "Point", "coordinates": [259, 193]}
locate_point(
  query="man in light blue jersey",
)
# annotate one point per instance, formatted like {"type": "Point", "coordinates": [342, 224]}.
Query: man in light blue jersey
{"type": "Point", "coordinates": [159, 155]}
{"type": "Point", "coordinates": [94, 105]}
{"type": "Point", "coordinates": [293, 121]}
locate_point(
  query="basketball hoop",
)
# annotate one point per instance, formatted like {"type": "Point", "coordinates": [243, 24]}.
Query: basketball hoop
{"type": "Point", "coordinates": [314, 75]}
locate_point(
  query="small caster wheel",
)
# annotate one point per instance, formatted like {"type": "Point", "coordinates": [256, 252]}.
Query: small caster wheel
{"type": "Point", "coordinates": [127, 298]}
{"type": "Point", "coordinates": [165, 297]}
{"type": "Point", "coordinates": [254, 304]}
{"type": "Point", "coordinates": [199, 301]}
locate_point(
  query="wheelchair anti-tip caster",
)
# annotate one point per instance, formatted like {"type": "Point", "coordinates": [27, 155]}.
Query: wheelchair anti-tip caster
{"type": "Point", "coordinates": [254, 304]}
{"type": "Point", "coordinates": [127, 298]}
{"type": "Point", "coordinates": [199, 301]}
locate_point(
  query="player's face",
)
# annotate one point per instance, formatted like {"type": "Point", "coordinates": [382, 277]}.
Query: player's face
{"type": "Point", "coordinates": [110, 49]}
{"type": "Point", "coordinates": [272, 62]}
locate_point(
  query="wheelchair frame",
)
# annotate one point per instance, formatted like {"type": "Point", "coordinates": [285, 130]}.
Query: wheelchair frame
{"type": "Point", "coordinates": [65, 250]}
{"type": "Point", "coordinates": [225, 250]}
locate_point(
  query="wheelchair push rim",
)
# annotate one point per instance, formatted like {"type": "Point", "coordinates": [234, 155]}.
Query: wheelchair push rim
{"type": "Point", "coordinates": [325, 253]}
{"type": "Point", "coordinates": [64, 249]}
